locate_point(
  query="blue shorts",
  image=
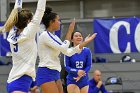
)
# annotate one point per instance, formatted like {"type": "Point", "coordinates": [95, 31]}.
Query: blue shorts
{"type": "Point", "coordinates": [80, 84]}
{"type": "Point", "coordinates": [45, 74]}
{"type": "Point", "coordinates": [22, 84]}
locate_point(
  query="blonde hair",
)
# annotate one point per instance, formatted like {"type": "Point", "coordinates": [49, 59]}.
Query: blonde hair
{"type": "Point", "coordinates": [11, 21]}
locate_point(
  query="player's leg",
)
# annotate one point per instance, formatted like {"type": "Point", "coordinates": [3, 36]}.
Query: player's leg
{"type": "Point", "coordinates": [83, 85]}
{"type": "Point", "coordinates": [72, 88]}
{"type": "Point", "coordinates": [84, 89]}
{"type": "Point", "coordinates": [46, 78]}
{"type": "Point", "coordinates": [49, 87]}
{"type": "Point", "coordinates": [59, 86]}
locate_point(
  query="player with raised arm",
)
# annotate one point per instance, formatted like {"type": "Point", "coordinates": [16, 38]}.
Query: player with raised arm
{"type": "Point", "coordinates": [50, 46]}
{"type": "Point", "coordinates": [78, 66]}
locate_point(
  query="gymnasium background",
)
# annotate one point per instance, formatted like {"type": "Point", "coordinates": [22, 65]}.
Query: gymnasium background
{"type": "Point", "coordinates": [93, 16]}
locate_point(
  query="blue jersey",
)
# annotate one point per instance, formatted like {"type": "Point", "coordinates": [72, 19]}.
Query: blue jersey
{"type": "Point", "coordinates": [81, 61]}
{"type": "Point", "coordinates": [94, 89]}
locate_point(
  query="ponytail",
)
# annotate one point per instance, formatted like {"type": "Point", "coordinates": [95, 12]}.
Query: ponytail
{"type": "Point", "coordinates": [11, 21]}
{"type": "Point", "coordinates": [48, 16]}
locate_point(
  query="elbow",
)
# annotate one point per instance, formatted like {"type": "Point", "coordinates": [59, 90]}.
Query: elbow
{"type": "Point", "coordinates": [69, 54]}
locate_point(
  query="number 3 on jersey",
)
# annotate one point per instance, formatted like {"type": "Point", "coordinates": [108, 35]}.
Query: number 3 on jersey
{"type": "Point", "coordinates": [15, 47]}
{"type": "Point", "coordinates": [79, 64]}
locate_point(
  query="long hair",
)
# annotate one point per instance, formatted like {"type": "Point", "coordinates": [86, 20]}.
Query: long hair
{"type": "Point", "coordinates": [24, 15]}
{"type": "Point", "coordinates": [48, 16]}
{"type": "Point", "coordinates": [11, 21]}
{"type": "Point", "coordinates": [19, 18]}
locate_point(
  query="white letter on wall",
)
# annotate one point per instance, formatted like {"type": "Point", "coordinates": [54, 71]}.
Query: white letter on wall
{"type": "Point", "coordinates": [137, 37]}
{"type": "Point", "coordinates": [113, 37]}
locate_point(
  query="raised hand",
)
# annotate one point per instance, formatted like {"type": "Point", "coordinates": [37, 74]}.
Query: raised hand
{"type": "Point", "coordinates": [90, 38]}
{"type": "Point", "coordinates": [18, 4]}
{"type": "Point", "coordinates": [70, 30]}
{"type": "Point", "coordinates": [87, 40]}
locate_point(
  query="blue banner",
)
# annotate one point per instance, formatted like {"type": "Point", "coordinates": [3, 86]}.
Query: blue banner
{"type": "Point", "coordinates": [117, 35]}
{"type": "Point", "coordinates": [4, 44]}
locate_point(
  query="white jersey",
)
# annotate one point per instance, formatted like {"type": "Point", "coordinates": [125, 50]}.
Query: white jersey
{"type": "Point", "coordinates": [24, 47]}
{"type": "Point", "coordinates": [49, 49]}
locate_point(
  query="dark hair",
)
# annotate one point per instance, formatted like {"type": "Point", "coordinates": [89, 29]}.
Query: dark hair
{"type": "Point", "coordinates": [24, 15]}
{"type": "Point", "coordinates": [73, 35]}
{"type": "Point", "coordinates": [48, 16]}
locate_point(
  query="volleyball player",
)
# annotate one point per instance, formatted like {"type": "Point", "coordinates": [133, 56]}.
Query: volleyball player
{"type": "Point", "coordinates": [50, 46]}
{"type": "Point", "coordinates": [78, 66]}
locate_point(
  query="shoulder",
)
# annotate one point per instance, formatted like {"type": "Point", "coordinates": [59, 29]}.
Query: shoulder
{"type": "Point", "coordinates": [91, 80]}
{"type": "Point", "coordinates": [43, 34]}
{"type": "Point", "coordinates": [66, 57]}
{"type": "Point", "coordinates": [86, 50]}
{"type": "Point", "coordinates": [91, 83]}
